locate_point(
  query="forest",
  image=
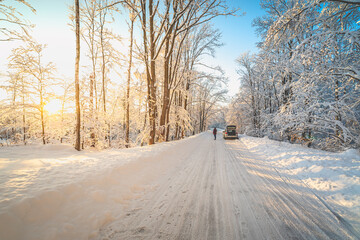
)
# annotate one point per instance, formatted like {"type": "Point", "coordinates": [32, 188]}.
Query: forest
{"type": "Point", "coordinates": [302, 86]}
{"type": "Point", "coordinates": [156, 89]}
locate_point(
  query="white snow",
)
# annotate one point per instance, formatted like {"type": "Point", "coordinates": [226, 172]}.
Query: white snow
{"type": "Point", "coordinates": [333, 176]}
{"type": "Point", "coordinates": [55, 192]}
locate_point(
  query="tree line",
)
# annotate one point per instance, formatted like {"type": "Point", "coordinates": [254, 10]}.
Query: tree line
{"type": "Point", "coordinates": [156, 89]}
{"type": "Point", "coordinates": [304, 84]}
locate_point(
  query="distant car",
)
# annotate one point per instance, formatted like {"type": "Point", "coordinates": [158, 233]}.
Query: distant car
{"type": "Point", "coordinates": [230, 132]}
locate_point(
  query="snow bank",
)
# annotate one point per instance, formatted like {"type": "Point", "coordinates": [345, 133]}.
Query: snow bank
{"type": "Point", "coordinates": [333, 176]}
{"type": "Point", "coordinates": [54, 192]}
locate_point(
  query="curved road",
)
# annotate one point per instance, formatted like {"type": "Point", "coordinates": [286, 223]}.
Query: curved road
{"type": "Point", "coordinates": [220, 190]}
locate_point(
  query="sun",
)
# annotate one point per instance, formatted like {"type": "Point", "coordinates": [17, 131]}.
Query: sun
{"type": "Point", "coordinates": [53, 107]}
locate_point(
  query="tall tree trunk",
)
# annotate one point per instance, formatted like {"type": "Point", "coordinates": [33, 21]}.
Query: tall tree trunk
{"type": "Point", "coordinates": [103, 71]}
{"type": "Point", "coordinates": [152, 100]}
{"type": "Point", "coordinates": [146, 60]}
{"type": "Point", "coordinates": [103, 67]}
{"type": "Point", "coordinates": [77, 88]}
{"type": "Point", "coordinates": [166, 90]}
{"type": "Point", "coordinates": [127, 120]}
{"type": "Point", "coordinates": [93, 53]}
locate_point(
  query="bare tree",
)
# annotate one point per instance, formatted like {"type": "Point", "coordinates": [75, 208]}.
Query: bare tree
{"type": "Point", "coordinates": [184, 16]}
{"type": "Point", "coordinates": [77, 87]}
{"type": "Point", "coordinates": [162, 21]}
{"type": "Point", "coordinates": [102, 31]}
{"type": "Point", "coordinates": [28, 60]}
{"type": "Point", "coordinates": [90, 13]}
{"type": "Point", "coordinates": [246, 63]}
{"type": "Point", "coordinates": [11, 22]}
{"type": "Point", "coordinates": [202, 41]}
{"type": "Point", "coordinates": [127, 107]}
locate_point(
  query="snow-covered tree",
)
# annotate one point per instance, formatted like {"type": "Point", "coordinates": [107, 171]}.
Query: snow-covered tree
{"type": "Point", "coordinates": [307, 72]}
{"type": "Point", "coordinates": [13, 26]}
{"type": "Point", "coordinates": [28, 61]}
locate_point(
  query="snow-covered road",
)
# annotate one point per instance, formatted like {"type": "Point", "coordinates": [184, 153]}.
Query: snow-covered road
{"type": "Point", "coordinates": [219, 190]}
{"type": "Point", "coordinates": [195, 188]}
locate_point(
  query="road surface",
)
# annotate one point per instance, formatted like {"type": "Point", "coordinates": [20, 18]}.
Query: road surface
{"type": "Point", "coordinates": [220, 190]}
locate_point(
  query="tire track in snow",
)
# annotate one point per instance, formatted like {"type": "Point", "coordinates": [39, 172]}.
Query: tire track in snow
{"type": "Point", "coordinates": [289, 229]}
{"type": "Point", "coordinates": [305, 217]}
{"type": "Point", "coordinates": [219, 190]}
{"type": "Point", "coordinates": [255, 223]}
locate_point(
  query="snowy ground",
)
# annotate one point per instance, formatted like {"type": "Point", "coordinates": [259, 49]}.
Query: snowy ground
{"type": "Point", "coordinates": [333, 176]}
{"type": "Point", "coordinates": [195, 188]}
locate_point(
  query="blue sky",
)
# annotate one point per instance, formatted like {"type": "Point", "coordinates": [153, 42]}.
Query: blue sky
{"type": "Point", "coordinates": [238, 36]}
{"type": "Point", "coordinates": [51, 28]}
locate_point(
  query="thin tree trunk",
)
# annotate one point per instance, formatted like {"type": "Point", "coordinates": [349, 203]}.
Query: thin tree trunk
{"type": "Point", "coordinates": [103, 75]}
{"type": "Point", "coordinates": [92, 133]}
{"type": "Point", "coordinates": [62, 114]}
{"type": "Point", "coordinates": [93, 75]}
{"type": "Point", "coordinates": [103, 67]}
{"type": "Point", "coordinates": [109, 134]}
{"type": "Point", "coordinates": [24, 127]}
{"type": "Point", "coordinates": [13, 128]}
{"type": "Point", "coordinates": [42, 116]}
{"type": "Point", "coordinates": [24, 116]}
{"type": "Point", "coordinates": [338, 131]}
{"type": "Point", "coordinates": [77, 88]}
{"type": "Point", "coordinates": [127, 131]}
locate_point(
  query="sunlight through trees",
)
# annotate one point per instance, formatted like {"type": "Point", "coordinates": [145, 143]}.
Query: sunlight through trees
{"type": "Point", "coordinates": [155, 89]}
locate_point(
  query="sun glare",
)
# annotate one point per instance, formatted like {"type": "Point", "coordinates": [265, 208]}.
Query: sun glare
{"type": "Point", "coordinates": [53, 107]}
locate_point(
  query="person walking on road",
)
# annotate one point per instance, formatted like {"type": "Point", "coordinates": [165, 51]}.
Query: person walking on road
{"type": "Point", "coordinates": [214, 132]}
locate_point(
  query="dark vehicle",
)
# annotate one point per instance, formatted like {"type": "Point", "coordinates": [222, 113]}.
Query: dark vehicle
{"type": "Point", "coordinates": [230, 132]}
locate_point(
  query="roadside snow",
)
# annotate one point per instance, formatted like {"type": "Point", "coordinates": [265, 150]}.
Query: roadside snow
{"type": "Point", "coordinates": [55, 192]}
{"type": "Point", "coordinates": [332, 176]}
